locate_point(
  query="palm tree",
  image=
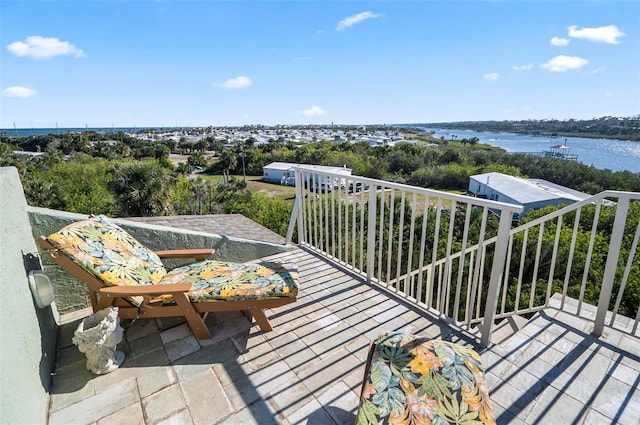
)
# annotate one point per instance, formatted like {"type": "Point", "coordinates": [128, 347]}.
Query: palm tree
{"type": "Point", "coordinates": [42, 193]}
{"type": "Point", "coordinates": [142, 189]}
{"type": "Point", "coordinates": [228, 161]}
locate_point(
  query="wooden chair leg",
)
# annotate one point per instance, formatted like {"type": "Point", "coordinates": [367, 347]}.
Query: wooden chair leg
{"type": "Point", "coordinates": [261, 319]}
{"type": "Point", "coordinates": [192, 317]}
{"type": "Point", "coordinates": [103, 302]}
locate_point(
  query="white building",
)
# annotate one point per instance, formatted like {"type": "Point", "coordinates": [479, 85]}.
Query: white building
{"type": "Point", "coordinates": [283, 172]}
{"type": "Point", "coordinates": [532, 194]}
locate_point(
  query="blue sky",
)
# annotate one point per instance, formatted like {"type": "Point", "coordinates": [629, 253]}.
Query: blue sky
{"type": "Point", "coordinates": [197, 63]}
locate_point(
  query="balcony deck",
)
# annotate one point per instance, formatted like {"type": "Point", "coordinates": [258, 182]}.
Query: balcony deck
{"type": "Point", "coordinates": [310, 367]}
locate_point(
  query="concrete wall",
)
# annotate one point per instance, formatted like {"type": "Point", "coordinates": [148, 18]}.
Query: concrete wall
{"type": "Point", "coordinates": [72, 295]}
{"type": "Point", "coordinates": [28, 334]}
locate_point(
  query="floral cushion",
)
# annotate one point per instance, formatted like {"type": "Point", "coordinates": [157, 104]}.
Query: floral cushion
{"type": "Point", "coordinates": [219, 281]}
{"type": "Point", "coordinates": [110, 253]}
{"type": "Point", "coordinates": [414, 380]}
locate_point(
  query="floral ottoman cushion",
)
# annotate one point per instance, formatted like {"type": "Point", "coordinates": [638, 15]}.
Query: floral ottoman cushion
{"type": "Point", "coordinates": [412, 380]}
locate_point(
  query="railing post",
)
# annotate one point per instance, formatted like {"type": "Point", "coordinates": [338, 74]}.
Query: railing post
{"type": "Point", "coordinates": [497, 272]}
{"type": "Point", "coordinates": [371, 232]}
{"type": "Point", "coordinates": [293, 220]}
{"type": "Point", "coordinates": [611, 265]}
{"type": "Point", "coordinates": [299, 211]}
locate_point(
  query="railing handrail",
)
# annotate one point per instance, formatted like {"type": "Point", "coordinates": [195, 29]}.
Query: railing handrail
{"type": "Point", "coordinates": [513, 208]}
{"type": "Point", "coordinates": [575, 206]}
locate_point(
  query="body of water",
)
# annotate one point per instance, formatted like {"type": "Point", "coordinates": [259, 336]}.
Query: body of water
{"type": "Point", "coordinates": [614, 155]}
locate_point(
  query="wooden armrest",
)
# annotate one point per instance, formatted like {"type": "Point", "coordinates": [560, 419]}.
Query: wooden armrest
{"type": "Point", "coordinates": [129, 291]}
{"type": "Point", "coordinates": [197, 254]}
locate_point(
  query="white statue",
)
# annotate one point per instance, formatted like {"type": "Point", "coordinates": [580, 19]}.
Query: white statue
{"type": "Point", "coordinates": [97, 337]}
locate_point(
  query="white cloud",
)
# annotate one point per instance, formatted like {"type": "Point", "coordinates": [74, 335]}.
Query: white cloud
{"type": "Point", "coordinates": [39, 47]}
{"type": "Point", "coordinates": [17, 91]}
{"type": "Point", "coordinates": [564, 63]}
{"type": "Point", "coordinates": [608, 34]}
{"type": "Point", "coordinates": [352, 20]}
{"type": "Point", "coordinates": [557, 41]}
{"type": "Point", "coordinates": [526, 67]}
{"type": "Point", "coordinates": [314, 111]}
{"type": "Point", "coordinates": [493, 76]}
{"type": "Point", "coordinates": [236, 83]}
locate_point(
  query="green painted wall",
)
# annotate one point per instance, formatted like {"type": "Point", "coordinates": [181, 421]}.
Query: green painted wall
{"type": "Point", "coordinates": [72, 295]}
{"type": "Point", "coordinates": [27, 334]}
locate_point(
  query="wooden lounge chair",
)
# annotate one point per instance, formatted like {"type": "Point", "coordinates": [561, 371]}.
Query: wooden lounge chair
{"type": "Point", "coordinates": [122, 272]}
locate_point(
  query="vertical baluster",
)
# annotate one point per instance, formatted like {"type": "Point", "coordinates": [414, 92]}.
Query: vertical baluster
{"type": "Point", "coordinates": [354, 229]}
{"type": "Point", "coordinates": [381, 233]}
{"type": "Point", "coordinates": [390, 240]}
{"type": "Point", "coordinates": [341, 201]}
{"type": "Point", "coordinates": [309, 209]}
{"type": "Point", "coordinates": [434, 253]}
{"type": "Point", "coordinates": [315, 210]}
{"type": "Point", "coordinates": [407, 289]}
{"type": "Point", "coordinates": [333, 220]}
{"type": "Point", "coordinates": [319, 206]}
{"type": "Point", "coordinates": [423, 236]}
{"type": "Point", "coordinates": [299, 188]}
{"type": "Point", "coordinates": [347, 204]}
{"type": "Point", "coordinates": [447, 261]}
{"type": "Point", "coordinates": [481, 281]}
{"type": "Point", "coordinates": [534, 279]}
{"type": "Point", "coordinates": [587, 266]}
{"type": "Point", "coordinates": [363, 205]}
{"type": "Point", "coordinates": [463, 247]}
{"type": "Point", "coordinates": [572, 247]}
{"type": "Point", "coordinates": [554, 257]}
{"type": "Point", "coordinates": [400, 239]}
{"type": "Point", "coordinates": [523, 256]}
{"type": "Point", "coordinates": [476, 272]}
{"type": "Point", "coordinates": [505, 282]}
{"type": "Point", "coordinates": [371, 233]}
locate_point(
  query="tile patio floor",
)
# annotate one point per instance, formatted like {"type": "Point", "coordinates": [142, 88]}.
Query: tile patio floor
{"type": "Point", "coordinates": [310, 367]}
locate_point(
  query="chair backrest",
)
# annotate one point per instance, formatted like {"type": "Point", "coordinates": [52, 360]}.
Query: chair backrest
{"type": "Point", "coordinates": [108, 252]}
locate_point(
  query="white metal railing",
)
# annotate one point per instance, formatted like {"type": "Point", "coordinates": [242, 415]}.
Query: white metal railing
{"type": "Point", "coordinates": [416, 242]}
{"type": "Point", "coordinates": [588, 251]}
{"type": "Point", "coordinates": [459, 257]}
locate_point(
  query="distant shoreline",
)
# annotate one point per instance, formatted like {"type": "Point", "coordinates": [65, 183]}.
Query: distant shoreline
{"type": "Point", "coordinates": [543, 136]}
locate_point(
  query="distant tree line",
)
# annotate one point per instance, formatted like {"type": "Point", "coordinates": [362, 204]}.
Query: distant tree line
{"type": "Point", "coordinates": [627, 128]}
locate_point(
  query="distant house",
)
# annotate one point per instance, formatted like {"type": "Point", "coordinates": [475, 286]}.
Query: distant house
{"type": "Point", "coordinates": [532, 194]}
{"type": "Point", "coordinates": [28, 153]}
{"type": "Point", "coordinates": [283, 173]}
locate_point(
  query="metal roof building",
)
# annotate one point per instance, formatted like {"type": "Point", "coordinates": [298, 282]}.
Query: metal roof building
{"type": "Point", "coordinates": [532, 194]}
{"type": "Point", "coordinates": [282, 172]}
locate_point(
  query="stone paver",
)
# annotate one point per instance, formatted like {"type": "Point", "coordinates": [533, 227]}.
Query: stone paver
{"type": "Point", "coordinates": [309, 369]}
{"type": "Point", "coordinates": [205, 410]}
{"type": "Point", "coordinates": [340, 402]}
{"type": "Point", "coordinates": [131, 415]}
{"type": "Point", "coordinates": [94, 408]}
{"type": "Point", "coordinates": [180, 418]}
{"type": "Point", "coordinates": [163, 404]}
{"type": "Point", "coordinates": [70, 385]}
